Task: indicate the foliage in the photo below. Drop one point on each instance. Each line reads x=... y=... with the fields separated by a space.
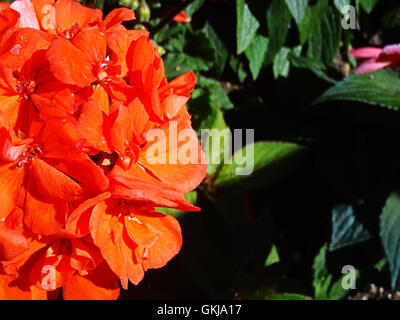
x=325 y=149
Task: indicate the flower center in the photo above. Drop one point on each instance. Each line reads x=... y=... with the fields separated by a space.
x=31 y=152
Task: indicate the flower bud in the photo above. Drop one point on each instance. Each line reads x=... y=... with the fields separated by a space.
x=144 y=11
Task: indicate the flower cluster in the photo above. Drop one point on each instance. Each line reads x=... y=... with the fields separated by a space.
x=79 y=95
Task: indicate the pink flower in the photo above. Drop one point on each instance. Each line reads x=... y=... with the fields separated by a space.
x=377 y=58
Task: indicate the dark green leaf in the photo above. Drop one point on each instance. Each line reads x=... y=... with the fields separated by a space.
x=331 y=31
x=390 y=235
x=278 y=20
x=346 y=229
x=392 y=19
x=220 y=51
x=315 y=67
x=310 y=25
x=378 y=88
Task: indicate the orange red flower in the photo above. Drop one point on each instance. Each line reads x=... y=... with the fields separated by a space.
x=86 y=114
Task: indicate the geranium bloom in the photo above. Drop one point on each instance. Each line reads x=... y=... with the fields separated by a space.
x=93 y=138
x=377 y=58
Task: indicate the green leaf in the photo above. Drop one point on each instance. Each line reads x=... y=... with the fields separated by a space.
x=179 y=63
x=246 y=26
x=288 y=296
x=278 y=20
x=270 y=162
x=238 y=68
x=310 y=25
x=331 y=31
x=378 y=88
x=281 y=63
x=255 y=53
x=322 y=279
x=297 y=8
x=220 y=51
x=380 y=264
x=390 y=235
x=346 y=229
x=368 y=5
x=273 y=257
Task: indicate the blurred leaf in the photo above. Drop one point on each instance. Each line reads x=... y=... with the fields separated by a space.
x=273 y=257
x=346 y=230
x=391 y=19
x=297 y=8
x=220 y=51
x=380 y=264
x=281 y=63
x=390 y=235
x=246 y=26
x=255 y=53
x=278 y=20
x=368 y=5
x=339 y=4
x=238 y=68
x=288 y=296
x=378 y=88
x=272 y=162
x=193 y=7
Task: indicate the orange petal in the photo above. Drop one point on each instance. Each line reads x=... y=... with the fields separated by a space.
x=10 y=186
x=115 y=17
x=69 y=64
x=70 y=12
x=53 y=183
x=102 y=284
